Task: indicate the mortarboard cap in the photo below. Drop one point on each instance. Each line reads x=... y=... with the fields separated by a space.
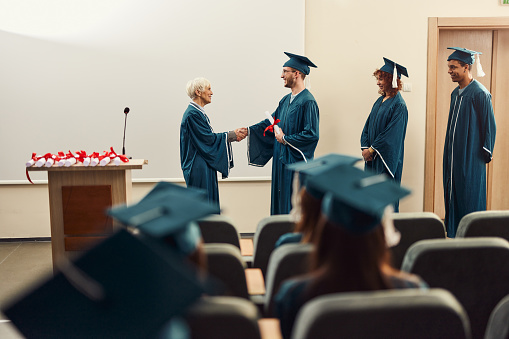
x=125 y=287
x=319 y=165
x=356 y=199
x=168 y=212
x=467 y=56
x=300 y=63
x=163 y=186
x=392 y=67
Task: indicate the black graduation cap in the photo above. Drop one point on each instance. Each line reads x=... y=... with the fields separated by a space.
x=319 y=165
x=355 y=199
x=467 y=56
x=168 y=210
x=125 y=287
x=462 y=54
x=390 y=67
x=299 y=62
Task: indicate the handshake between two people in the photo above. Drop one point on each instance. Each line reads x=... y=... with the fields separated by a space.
x=241 y=133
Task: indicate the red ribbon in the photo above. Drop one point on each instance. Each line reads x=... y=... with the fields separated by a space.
x=79 y=156
x=270 y=128
x=28 y=177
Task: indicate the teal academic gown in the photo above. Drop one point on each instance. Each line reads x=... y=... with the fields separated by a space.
x=299 y=122
x=385 y=131
x=468 y=147
x=203 y=153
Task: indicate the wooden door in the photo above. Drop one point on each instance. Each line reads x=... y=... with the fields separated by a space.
x=498 y=177
x=491 y=37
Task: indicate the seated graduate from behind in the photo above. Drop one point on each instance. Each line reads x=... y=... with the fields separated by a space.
x=351 y=245
x=135 y=284
x=307 y=202
x=203 y=153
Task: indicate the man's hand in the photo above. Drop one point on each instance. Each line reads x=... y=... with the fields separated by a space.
x=367 y=155
x=241 y=133
x=279 y=136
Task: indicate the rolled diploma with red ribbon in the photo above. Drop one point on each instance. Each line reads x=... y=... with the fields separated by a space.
x=40 y=162
x=86 y=161
x=30 y=163
x=105 y=161
x=61 y=162
x=116 y=161
x=271 y=120
x=70 y=161
x=50 y=162
x=94 y=162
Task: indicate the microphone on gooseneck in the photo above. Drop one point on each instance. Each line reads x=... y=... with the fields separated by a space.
x=126 y=110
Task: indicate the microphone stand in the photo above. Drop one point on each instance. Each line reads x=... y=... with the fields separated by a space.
x=126 y=110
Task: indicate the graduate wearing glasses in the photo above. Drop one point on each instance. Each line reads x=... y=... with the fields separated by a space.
x=294 y=138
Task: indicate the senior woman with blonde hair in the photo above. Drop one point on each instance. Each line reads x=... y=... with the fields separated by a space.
x=203 y=153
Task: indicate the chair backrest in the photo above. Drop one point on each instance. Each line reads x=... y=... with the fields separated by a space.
x=414 y=227
x=286 y=261
x=223 y=317
x=218 y=229
x=484 y=224
x=498 y=324
x=224 y=262
x=407 y=313
x=474 y=270
x=268 y=231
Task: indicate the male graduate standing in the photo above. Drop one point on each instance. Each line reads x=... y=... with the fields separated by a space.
x=383 y=136
x=293 y=139
x=469 y=141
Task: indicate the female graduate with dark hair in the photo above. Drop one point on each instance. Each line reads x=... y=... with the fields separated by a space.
x=351 y=245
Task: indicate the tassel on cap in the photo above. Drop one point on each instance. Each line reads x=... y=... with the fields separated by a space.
x=480 y=72
x=395 y=77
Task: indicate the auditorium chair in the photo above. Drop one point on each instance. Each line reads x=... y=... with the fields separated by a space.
x=223 y=318
x=395 y=314
x=474 y=270
x=498 y=324
x=484 y=224
x=218 y=229
x=268 y=231
x=225 y=263
x=286 y=261
x=413 y=227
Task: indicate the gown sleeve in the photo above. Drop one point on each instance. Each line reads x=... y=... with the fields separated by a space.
x=212 y=147
x=389 y=143
x=364 y=135
x=260 y=148
x=488 y=126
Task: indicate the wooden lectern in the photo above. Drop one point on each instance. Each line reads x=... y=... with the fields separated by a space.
x=78 y=198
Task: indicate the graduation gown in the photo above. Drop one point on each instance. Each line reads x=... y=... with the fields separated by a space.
x=385 y=131
x=468 y=147
x=203 y=153
x=299 y=122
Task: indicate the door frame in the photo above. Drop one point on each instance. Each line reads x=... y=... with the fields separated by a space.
x=436 y=24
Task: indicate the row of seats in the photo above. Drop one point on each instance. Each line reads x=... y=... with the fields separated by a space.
x=382 y=314
x=477 y=283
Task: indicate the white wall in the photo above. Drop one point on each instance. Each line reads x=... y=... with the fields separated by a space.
x=347 y=40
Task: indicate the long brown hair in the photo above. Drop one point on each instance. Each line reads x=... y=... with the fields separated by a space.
x=310 y=214
x=345 y=262
x=388 y=80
